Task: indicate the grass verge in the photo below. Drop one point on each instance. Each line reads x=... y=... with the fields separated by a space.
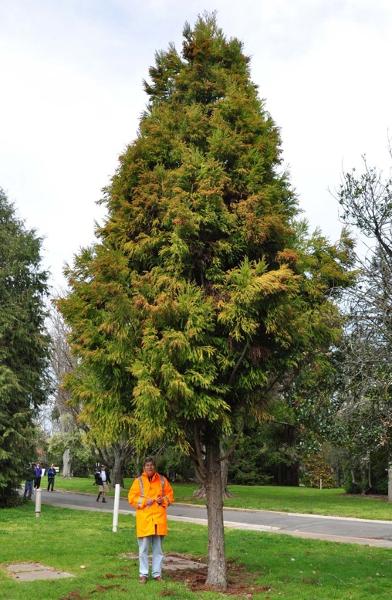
x=293 y=569
x=280 y=498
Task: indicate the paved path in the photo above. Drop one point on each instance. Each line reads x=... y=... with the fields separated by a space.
x=337 y=529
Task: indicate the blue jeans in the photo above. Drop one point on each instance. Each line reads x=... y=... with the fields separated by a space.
x=28 y=490
x=157 y=554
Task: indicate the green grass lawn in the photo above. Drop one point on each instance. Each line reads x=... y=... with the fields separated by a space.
x=295 y=569
x=280 y=498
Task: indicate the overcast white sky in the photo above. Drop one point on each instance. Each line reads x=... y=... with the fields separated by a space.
x=71 y=96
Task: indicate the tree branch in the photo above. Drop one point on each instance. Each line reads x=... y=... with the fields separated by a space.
x=238 y=363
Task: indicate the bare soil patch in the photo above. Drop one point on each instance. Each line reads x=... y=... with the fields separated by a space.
x=105 y=588
x=239 y=581
x=172 y=562
x=73 y=596
x=193 y=573
x=99 y=589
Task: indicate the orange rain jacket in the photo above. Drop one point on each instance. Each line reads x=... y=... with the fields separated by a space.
x=150 y=520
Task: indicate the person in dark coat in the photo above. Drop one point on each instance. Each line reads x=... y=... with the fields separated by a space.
x=29 y=479
x=51 y=475
x=102 y=480
x=37 y=476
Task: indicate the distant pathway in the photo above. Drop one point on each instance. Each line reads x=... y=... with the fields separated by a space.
x=337 y=529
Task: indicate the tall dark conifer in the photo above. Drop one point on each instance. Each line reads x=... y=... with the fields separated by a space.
x=24 y=347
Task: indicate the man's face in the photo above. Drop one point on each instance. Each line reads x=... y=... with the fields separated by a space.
x=149 y=468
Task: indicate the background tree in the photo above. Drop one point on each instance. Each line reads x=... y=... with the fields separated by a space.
x=76 y=430
x=83 y=454
x=63 y=414
x=365 y=398
x=203 y=294
x=298 y=425
x=24 y=346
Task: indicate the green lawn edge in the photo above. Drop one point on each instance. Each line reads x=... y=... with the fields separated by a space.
x=328 y=502
x=292 y=568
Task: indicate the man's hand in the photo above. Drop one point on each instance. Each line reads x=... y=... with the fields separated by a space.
x=149 y=502
x=159 y=499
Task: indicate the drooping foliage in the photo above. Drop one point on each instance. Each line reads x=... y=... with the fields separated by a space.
x=204 y=292
x=24 y=346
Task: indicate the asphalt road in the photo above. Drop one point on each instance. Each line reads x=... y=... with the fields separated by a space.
x=338 y=529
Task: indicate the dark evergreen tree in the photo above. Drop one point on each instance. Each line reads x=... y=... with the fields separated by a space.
x=24 y=347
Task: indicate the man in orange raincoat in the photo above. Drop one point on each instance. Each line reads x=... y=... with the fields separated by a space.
x=150 y=494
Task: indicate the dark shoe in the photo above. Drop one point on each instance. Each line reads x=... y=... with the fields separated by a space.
x=103 y=500
x=159 y=578
x=142 y=579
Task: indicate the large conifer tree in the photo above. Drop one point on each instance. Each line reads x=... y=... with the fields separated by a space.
x=24 y=347
x=203 y=293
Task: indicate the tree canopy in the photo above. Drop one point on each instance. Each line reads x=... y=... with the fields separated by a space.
x=24 y=346
x=204 y=293
x=364 y=399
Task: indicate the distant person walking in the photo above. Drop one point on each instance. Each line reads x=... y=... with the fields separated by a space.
x=102 y=479
x=29 y=479
x=37 y=476
x=51 y=475
x=150 y=494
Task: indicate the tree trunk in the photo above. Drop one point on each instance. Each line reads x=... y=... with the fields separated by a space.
x=117 y=472
x=224 y=475
x=115 y=457
x=353 y=476
x=67 y=461
x=337 y=474
x=370 y=474
x=390 y=480
x=216 y=577
x=201 y=492
x=363 y=476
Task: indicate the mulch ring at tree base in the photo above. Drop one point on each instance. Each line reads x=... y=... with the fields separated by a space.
x=239 y=581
